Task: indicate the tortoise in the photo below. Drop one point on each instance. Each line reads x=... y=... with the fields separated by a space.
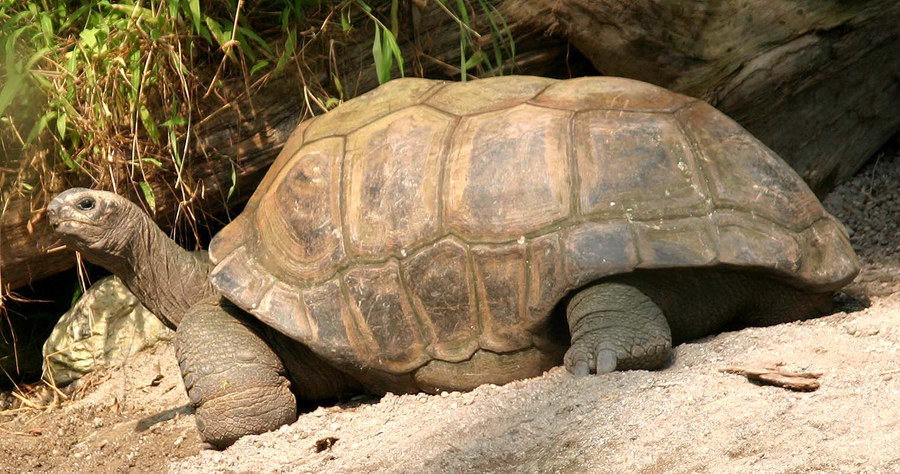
x=431 y=236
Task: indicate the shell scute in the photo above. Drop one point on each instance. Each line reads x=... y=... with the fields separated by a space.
x=333 y=328
x=612 y=93
x=371 y=106
x=385 y=317
x=392 y=181
x=500 y=282
x=594 y=250
x=300 y=234
x=636 y=164
x=508 y=173
x=495 y=93
x=744 y=174
x=677 y=243
x=440 y=282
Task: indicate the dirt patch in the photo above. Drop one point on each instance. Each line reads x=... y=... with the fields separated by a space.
x=690 y=417
x=134 y=418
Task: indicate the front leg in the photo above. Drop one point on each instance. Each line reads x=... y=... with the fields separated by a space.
x=615 y=326
x=234 y=379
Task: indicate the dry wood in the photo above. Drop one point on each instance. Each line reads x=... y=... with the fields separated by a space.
x=775 y=374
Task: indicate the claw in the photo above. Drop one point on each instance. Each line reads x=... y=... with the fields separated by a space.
x=581 y=369
x=606 y=361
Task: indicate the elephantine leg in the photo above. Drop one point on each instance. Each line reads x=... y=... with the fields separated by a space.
x=615 y=326
x=234 y=379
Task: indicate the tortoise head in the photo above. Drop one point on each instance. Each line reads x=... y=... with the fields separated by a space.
x=100 y=224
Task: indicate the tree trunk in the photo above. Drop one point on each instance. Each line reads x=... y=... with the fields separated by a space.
x=818 y=81
x=249 y=131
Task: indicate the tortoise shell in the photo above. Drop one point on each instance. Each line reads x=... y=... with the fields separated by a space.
x=428 y=221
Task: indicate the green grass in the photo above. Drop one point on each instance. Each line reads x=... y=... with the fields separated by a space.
x=106 y=89
x=104 y=93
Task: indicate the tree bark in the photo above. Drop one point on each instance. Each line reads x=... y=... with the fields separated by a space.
x=818 y=81
x=247 y=132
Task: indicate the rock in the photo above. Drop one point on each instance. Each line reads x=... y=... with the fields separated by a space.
x=103 y=329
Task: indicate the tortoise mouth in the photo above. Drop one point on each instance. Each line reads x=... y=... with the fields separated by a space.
x=72 y=222
x=71 y=230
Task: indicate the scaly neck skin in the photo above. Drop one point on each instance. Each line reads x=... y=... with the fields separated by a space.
x=166 y=278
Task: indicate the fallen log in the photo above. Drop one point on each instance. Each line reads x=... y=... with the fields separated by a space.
x=241 y=134
x=817 y=81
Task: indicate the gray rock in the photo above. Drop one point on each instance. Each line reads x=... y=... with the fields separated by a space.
x=105 y=327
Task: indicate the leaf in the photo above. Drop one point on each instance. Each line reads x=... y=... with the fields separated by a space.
x=135 y=63
x=289 y=46
x=10 y=91
x=337 y=85
x=332 y=102
x=216 y=29
x=256 y=38
x=89 y=37
x=61 y=124
x=176 y=155
x=496 y=36
x=175 y=122
x=11 y=45
x=72 y=63
x=244 y=45
x=378 y=56
x=149 y=123
x=233 y=182
x=37 y=56
x=67 y=159
x=76 y=294
x=476 y=59
x=366 y=8
x=40 y=126
x=345 y=20
x=47 y=29
x=259 y=65
x=153 y=161
x=133 y=11
x=385 y=49
x=395 y=50
x=147 y=191
x=195 y=15
x=395 y=17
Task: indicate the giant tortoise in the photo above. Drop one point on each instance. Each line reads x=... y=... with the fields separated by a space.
x=432 y=236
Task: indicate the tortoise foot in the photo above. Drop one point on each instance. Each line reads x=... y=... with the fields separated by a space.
x=615 y=326
x=234 y=379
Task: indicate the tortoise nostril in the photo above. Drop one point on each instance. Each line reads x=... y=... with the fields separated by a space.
x=52 y=217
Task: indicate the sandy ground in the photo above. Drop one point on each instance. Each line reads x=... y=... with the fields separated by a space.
x=689 y=417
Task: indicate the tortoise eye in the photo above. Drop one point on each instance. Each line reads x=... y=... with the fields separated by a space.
x=85 y=204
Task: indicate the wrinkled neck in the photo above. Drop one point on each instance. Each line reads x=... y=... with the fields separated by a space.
x=166 y=278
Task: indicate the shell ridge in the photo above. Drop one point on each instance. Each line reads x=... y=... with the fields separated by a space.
x=697 y=155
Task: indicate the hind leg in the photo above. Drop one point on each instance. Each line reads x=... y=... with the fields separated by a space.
x=615 y=326
x=234 y=379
